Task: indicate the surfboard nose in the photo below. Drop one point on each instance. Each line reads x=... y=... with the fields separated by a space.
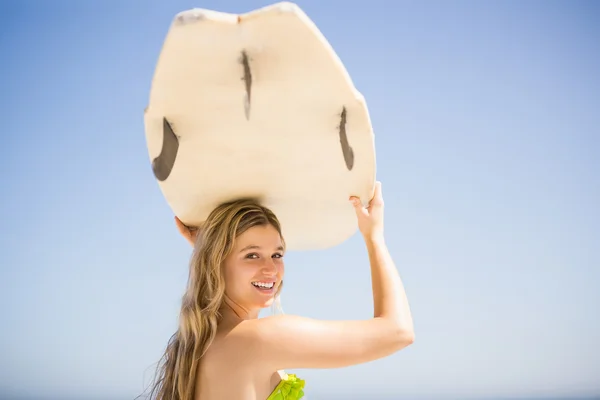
x=189 y=16
x=287 y=7
x=195 y=15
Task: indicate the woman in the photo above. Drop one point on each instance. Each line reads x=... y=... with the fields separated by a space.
x=222 y=350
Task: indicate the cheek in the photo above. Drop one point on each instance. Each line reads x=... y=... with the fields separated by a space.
x=227 y=275
x=237 y=275
x=231 y=274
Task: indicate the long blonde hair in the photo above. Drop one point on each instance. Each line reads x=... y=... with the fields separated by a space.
x=199 y=316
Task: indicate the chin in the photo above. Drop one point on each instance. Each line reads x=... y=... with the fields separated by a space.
x=263 y=304
x=268 y=303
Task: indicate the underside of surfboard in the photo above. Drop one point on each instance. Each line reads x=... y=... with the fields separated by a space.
x=259 y=105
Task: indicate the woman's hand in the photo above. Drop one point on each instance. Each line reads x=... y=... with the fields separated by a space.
x=190 y=234
x=370 y=218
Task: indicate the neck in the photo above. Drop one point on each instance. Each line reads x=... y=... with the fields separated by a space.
x=232 y=309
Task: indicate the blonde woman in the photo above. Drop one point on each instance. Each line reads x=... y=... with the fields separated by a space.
x=223 y=351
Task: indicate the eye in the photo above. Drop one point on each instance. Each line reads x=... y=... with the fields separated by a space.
x=252 y=255
x=277 y=255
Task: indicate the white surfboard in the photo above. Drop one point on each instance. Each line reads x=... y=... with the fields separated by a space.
x=259 y=105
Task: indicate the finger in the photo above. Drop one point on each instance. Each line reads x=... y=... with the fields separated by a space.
x=178 y=223
x=377 y=199
x=377 y=190
x=358 y=207
x=184 y=230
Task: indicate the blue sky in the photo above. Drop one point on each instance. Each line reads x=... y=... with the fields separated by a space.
x=486 y=116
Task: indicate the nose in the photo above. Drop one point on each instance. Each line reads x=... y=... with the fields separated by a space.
x=269 y=268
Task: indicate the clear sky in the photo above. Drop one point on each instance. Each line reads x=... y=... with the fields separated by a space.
x=486 y=116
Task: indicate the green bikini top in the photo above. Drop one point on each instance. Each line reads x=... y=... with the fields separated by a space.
x=289 y=388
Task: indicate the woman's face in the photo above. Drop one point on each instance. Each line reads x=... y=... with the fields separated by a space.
x=254 y=269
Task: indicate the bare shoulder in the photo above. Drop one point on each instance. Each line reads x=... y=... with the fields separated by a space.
x=232 y=343
x=229 y=355
x=290 y=342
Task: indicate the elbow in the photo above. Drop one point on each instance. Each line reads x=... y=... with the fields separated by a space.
x=403 y=337
x=396 y=336
x=408 y=337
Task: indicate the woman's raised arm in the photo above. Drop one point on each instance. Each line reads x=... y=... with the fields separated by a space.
x=290 y=342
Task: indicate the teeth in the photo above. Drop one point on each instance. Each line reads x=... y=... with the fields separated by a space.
x=265 y=285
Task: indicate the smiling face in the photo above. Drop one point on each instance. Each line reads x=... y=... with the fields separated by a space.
x=254 y=269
